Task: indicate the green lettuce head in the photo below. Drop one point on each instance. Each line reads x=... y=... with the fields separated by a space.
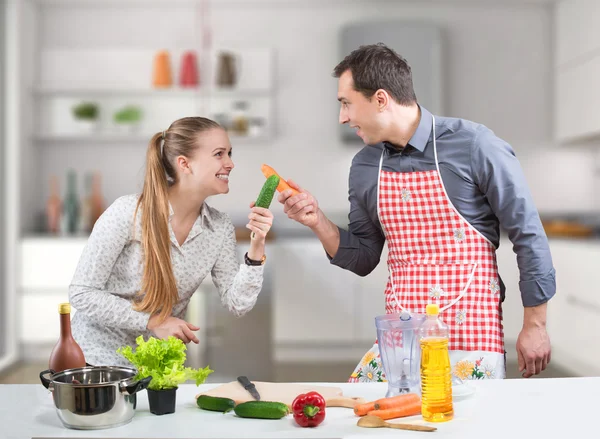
x=162 y=360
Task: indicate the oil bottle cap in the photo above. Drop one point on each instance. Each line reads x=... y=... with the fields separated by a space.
x=432 y=309
x=64 y=308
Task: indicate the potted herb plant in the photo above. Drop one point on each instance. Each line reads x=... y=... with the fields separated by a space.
x=128 y=118
x=86 y=115
x=163 y=360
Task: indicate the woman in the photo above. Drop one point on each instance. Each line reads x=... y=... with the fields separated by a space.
x=147 y=254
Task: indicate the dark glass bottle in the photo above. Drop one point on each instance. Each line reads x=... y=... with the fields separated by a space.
x=66 y=353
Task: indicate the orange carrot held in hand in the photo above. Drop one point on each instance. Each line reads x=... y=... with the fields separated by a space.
x=396 y=401
x=363 y=409
x=283 y=185
x=409 y=409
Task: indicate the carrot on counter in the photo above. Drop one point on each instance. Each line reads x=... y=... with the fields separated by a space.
x=408 y=409
x=397 y=401
x=363 y=409
x=283 y=185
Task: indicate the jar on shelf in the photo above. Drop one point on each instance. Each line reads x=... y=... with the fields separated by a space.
x=226 y=70
x=240 y=118
x=256 y=127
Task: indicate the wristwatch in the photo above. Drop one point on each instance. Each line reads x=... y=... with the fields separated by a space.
x=249 y=261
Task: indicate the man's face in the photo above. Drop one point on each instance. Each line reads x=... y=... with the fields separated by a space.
x=358 y=111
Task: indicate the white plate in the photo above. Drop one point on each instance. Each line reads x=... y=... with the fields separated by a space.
x=462 y=391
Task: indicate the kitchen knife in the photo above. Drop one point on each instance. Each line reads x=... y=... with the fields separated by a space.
x=244 y=381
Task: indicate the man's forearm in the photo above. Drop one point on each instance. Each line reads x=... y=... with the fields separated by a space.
x=328 y=233
x=535 y=316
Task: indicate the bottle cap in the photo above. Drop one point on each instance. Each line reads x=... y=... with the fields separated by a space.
x=64 y=308
x=432 y=309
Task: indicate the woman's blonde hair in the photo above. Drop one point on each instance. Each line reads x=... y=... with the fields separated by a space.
x=159 y=288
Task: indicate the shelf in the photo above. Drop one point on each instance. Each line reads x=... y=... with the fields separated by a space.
x=176 y=92
x=130 y=139
x=113 y=3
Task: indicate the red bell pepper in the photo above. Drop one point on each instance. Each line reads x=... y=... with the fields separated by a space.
x=309 y=409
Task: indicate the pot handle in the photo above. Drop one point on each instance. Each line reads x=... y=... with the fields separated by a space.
x=138 y=386
x=45 y=381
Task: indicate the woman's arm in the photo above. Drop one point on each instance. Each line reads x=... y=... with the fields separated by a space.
x=87 y=292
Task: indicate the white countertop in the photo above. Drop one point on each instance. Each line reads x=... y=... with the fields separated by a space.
x=507 y=409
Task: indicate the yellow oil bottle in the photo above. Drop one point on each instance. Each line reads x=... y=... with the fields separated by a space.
x=436 y=373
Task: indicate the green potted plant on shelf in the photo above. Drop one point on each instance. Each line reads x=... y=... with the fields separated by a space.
x=86 y=116
x=163 y=360
x=128 y=118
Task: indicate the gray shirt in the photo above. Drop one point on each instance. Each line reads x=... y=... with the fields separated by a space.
x=109 y=276
x=485 y=183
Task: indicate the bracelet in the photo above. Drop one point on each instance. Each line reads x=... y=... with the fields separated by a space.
x=252 y=262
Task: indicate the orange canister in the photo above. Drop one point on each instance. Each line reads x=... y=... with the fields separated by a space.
x=162 y=76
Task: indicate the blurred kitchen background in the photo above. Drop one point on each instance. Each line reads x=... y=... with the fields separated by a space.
x=85 y=84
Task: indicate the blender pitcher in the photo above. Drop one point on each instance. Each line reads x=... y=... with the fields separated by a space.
x=400 y=352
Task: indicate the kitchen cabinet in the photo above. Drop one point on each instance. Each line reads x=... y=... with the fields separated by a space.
x=574 y=313
x=49 y=263
x=573 y=319
x=577 y=67
x=314 y=301
x=46 y=267
x=320 y=309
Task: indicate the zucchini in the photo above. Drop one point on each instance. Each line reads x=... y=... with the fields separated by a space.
x=268 y=190
x=261 y=410
x=214 y=403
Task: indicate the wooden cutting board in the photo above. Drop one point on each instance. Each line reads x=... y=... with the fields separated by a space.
x=282 y=392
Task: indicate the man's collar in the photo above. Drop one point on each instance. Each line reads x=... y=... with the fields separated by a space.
x=422 y=134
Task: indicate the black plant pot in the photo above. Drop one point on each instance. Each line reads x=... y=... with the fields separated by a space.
x=162 y=402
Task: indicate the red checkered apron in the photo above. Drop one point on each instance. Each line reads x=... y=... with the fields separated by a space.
x=436 y=256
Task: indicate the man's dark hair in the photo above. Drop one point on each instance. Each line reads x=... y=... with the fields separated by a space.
x=375 y=67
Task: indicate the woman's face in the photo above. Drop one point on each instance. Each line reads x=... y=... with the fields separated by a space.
x=210 y=166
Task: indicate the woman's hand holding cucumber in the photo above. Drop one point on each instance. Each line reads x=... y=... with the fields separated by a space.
x=261 y=220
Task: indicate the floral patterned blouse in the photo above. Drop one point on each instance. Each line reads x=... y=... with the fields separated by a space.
x=109 y=275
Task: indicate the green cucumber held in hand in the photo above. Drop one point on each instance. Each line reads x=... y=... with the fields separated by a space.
x=266 y=193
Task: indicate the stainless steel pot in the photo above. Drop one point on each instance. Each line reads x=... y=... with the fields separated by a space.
x=91 y=398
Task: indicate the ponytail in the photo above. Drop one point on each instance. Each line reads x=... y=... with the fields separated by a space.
x=159 y=287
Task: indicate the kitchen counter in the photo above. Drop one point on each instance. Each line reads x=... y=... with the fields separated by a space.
x=520 y=408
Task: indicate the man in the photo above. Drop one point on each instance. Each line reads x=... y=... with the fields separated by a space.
x=438 y=190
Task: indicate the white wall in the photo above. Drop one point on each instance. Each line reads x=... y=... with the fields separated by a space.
x=497 y=62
